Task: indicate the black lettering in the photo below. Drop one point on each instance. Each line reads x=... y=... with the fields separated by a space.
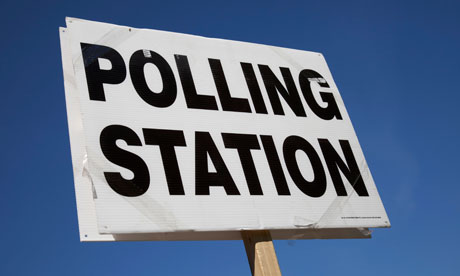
x=254 y=88
x=350 y=169
x=163 y=98
x=192 y=99
x=275 y=165
x=325 y=113
x=204 y=146
x=167 y=140
x=139 y=184
x=317 y=186
x=274 y=86
x=95 y=76
x=244 y=143
x=228 y=102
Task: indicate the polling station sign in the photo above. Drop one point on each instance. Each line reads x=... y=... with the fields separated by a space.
x=177 y=136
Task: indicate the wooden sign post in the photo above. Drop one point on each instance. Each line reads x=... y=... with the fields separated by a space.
x=261 y=253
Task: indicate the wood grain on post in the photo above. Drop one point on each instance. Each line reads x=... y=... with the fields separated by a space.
x=261 y=253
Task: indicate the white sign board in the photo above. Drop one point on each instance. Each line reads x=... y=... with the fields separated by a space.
x=176 y=136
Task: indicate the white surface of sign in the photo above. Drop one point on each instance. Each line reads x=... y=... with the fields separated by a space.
x=177 y=136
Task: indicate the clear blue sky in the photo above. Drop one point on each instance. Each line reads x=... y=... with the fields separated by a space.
x=397 y=66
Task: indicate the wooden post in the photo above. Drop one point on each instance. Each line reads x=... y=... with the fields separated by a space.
x=261 y=253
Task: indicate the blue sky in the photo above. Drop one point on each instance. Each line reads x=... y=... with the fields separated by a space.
x=396 y=64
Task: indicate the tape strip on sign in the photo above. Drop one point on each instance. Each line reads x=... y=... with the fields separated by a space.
x=179 y=137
